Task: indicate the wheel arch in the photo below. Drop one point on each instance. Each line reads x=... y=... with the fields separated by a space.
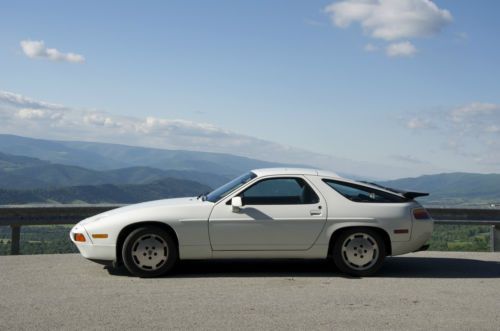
x=336 y=233
x=131 y=227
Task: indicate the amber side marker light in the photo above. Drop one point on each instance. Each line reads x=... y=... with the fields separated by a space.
x=100 y=235
x=79 y=237
x=421 y=214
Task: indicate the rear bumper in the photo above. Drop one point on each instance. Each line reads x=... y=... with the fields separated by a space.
x=423 y=248
x=421 y=233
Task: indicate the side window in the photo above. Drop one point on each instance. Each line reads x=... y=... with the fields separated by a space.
x=359 y=193
x=279 y=191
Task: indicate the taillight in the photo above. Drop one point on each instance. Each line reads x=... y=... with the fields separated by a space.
x=79 y=237
x=421 y=214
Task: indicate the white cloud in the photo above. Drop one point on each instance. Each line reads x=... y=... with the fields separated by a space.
x=37 y=49
x=474 y=110
x=418 y=123
x=403 y=49
x=38 y=114
x=24 y=116
x=391 y=20
x=473 y=118
x=18 y=100
x=470 y=131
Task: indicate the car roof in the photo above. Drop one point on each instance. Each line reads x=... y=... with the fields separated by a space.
x=294 y=171
x=316 y=172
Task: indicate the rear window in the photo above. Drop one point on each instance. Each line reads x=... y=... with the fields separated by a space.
x=360 y=193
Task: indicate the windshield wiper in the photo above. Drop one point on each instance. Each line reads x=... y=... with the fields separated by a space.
x=203 y=196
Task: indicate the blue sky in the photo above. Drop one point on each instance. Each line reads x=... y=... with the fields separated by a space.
x=287 y=72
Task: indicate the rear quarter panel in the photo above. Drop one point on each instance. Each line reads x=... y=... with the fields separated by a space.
x=343 y=213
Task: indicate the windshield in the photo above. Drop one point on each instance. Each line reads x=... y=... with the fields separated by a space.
x=227 y=188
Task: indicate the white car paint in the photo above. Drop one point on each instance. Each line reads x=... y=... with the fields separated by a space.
x=206 y=230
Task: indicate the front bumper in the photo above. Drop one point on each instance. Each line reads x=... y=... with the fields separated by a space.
x=89 y=249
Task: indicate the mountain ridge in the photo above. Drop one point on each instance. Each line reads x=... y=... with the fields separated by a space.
x=453 y=188
x=20 y=172
x=107 y=193
x=107 y=156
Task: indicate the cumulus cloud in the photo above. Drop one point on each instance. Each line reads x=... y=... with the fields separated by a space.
x=391 y=20
x=37 y=49
x=22 y=115
x=405 y=48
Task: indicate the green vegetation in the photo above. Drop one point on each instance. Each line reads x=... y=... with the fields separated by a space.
x=50 y=239
x=472 y=238
x=55 y=240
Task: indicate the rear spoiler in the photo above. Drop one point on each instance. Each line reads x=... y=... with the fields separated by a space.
x=413 y=195
x=406 y=194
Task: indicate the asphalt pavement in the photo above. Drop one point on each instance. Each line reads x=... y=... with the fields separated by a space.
x=421 y=291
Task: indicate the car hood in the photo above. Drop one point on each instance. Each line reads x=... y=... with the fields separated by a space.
x=163 y=205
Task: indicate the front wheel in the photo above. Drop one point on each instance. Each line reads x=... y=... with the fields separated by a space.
x=359 y=252
x=149 y=252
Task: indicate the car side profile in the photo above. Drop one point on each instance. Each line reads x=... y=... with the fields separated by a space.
x=265 y=213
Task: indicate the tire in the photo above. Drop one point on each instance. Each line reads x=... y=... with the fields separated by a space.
x=359 y=252
x=149 y=252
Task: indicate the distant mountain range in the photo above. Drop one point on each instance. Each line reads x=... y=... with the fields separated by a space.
x=39 y=171
x=107 y=193
x=453 y=188
x=102 y=156
x=21 y=172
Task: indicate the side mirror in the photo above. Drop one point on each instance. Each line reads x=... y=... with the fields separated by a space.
x=237 y=204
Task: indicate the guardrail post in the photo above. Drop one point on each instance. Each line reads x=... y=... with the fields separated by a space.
x=15 y=239
x=495 y=238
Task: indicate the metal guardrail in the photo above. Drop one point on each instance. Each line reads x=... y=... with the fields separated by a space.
x=22 y=215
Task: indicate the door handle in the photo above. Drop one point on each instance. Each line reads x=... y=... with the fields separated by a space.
x=315 y=212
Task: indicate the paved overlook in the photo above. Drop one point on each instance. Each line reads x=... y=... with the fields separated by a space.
x=421 y=291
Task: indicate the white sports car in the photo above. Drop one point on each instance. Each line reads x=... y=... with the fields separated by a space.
x=265 y=213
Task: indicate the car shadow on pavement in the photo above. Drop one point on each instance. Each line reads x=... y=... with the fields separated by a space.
x=394 y=267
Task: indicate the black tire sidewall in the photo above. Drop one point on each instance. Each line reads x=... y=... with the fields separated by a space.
x=127 y=252
x=345 y=268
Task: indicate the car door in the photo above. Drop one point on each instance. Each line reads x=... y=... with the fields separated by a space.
x=278 y=213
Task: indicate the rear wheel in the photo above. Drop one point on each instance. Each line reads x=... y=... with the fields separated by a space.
x=149 y=252
x=359 y=251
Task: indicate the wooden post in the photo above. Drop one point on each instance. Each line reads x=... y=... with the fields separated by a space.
x=495 y=238
x=15 y=239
